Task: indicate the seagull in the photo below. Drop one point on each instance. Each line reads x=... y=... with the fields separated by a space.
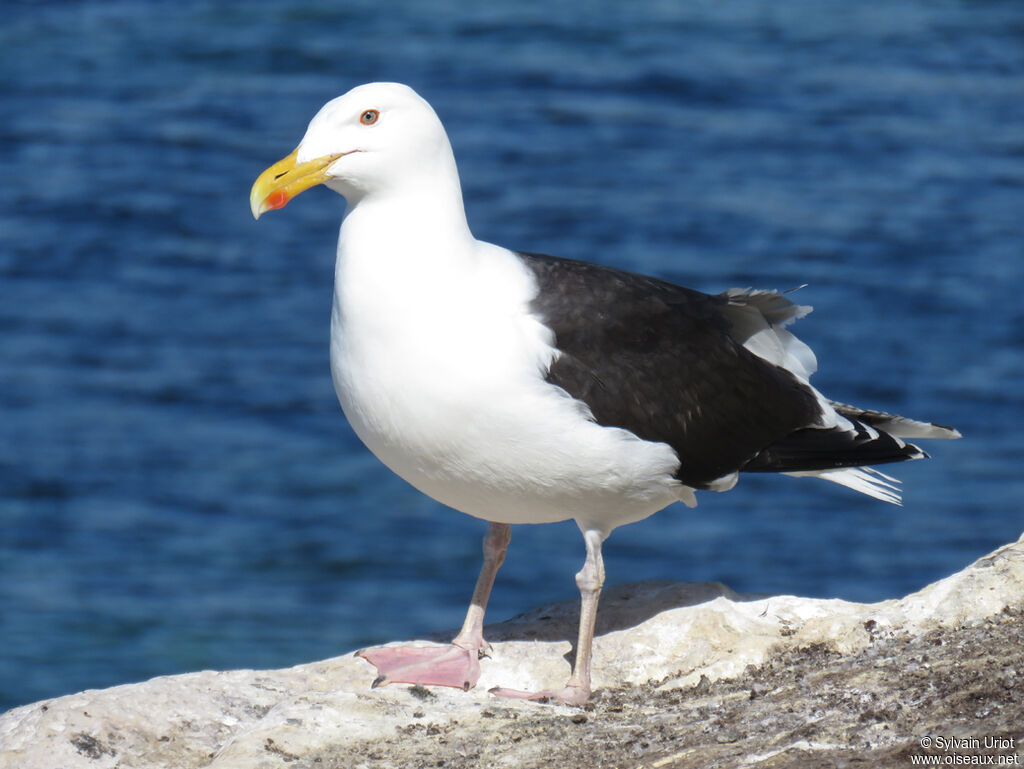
x=523 y=388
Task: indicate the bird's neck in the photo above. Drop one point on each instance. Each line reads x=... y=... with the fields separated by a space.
x=400 y=259
x=416 y=231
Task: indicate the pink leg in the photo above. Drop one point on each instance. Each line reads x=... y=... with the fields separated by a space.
x=590 y=579
x=456 y=664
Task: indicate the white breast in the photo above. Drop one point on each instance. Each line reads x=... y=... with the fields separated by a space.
x=439 y=369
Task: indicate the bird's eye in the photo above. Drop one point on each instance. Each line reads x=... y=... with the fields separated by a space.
x=369 y=117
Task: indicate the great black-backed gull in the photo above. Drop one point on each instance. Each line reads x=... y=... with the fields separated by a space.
x=523 y=388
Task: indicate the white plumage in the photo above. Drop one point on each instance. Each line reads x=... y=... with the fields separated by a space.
x=479 y=374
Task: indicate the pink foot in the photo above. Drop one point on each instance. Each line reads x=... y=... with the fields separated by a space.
x=569 y=695
x=435 y=665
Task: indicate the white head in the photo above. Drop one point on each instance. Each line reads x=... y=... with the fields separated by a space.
x=377 y=138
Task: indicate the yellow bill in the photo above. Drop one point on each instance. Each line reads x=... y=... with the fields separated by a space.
x=286 y=179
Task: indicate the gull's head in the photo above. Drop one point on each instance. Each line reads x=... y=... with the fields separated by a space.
x=376 y=137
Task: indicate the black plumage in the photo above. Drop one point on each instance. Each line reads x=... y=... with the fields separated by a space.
x=668 y=364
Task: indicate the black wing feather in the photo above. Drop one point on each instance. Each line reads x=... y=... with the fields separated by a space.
x=817 y=449
x=658 y=360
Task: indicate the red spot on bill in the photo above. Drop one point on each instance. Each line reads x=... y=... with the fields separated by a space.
x=276 y=199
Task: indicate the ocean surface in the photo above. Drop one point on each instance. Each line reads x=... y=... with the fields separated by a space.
x=178 y=487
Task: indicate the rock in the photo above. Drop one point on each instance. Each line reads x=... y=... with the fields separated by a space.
x=688 y=675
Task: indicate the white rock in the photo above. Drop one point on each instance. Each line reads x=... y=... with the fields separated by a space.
x=660 y=632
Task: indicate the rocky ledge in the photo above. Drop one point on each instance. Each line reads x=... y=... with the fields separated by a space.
x=688 y=675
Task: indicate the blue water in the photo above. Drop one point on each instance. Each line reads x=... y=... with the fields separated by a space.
x=178 y=487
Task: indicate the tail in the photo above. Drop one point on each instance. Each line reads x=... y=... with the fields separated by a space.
x=841 y=454
x=846 y=439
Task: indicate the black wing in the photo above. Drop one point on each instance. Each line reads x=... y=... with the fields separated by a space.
x=662 y=361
